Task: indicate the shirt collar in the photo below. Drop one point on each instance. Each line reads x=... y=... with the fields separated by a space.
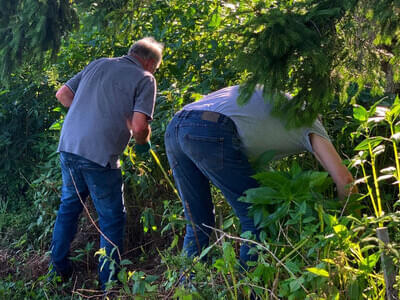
x=133 y=60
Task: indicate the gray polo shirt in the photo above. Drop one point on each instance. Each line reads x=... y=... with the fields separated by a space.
x=106 y=93
x=258 y=130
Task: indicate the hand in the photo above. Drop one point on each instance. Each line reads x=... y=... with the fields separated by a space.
x=141 y=149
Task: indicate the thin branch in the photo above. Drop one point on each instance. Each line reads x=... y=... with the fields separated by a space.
x=90 y=217
x=279 y=262
x=290 y=243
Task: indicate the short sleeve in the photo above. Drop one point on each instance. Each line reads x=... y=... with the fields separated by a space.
x=317 y=128
x=145 y=96
x=73 y=83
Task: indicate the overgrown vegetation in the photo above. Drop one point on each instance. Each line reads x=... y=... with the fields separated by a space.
x=311 y=247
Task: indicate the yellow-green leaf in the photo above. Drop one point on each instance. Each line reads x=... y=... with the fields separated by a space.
x=319 y=272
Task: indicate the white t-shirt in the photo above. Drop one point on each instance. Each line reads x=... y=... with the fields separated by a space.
x=258 y=130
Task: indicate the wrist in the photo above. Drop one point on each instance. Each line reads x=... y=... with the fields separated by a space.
x=142 y=148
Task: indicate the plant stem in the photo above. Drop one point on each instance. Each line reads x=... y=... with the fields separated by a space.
x=233 y=281
x=396 y=157
x=378 y=196
x=371 y=196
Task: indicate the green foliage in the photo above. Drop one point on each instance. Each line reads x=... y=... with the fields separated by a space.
x=295 y=193
x=28 y=29
x=377 y=155
x=314 y=50
x=26 y=113
x=309 y=247
x=22 y=289
x=297 y=53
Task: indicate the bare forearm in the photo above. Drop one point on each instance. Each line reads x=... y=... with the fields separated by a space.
x=65 y=96
x=331 y=161
x=344 y=183
x=142 y=136
x=139 y=128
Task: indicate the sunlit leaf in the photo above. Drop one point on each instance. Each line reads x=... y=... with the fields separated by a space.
x=388 y=170
x=329 y=260
x=340 y=228
x=396 y=137
x=101 y=252
x=360 y=113
x=318 y=271
x=384 y=177
x=378 y=150
x=373 y=142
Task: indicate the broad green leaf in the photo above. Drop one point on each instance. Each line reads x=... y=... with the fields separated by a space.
x=296 y=284
x=360 y=113
x=280 y=212
x=370 y=261
x=318 y=178
x=125 y=262
x=228 y=223
x=293 y=267
x=262 y=195
x=275 y=180
x=373 y=141
x=309 y=219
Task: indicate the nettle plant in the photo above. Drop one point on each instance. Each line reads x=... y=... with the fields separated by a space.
x=378 y=156
x=309 y=246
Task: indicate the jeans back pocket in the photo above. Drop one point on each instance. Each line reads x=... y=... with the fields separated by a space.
x=206 y=151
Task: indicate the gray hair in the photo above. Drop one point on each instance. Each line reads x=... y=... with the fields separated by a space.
x=147 y=48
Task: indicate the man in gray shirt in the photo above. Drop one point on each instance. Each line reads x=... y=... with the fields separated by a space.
x=212 y=140
x=109 y=101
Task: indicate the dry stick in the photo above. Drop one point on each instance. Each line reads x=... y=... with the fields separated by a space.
x=263 y=247
x=252 y=285
x=352 y=186
x=290 y=244
x=73 y=288
x=88 y=297
x=388 y=267
x=275 y=283
x=222 y=236
x=91 y=219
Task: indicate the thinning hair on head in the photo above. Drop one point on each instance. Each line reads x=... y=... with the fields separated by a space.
x=147 y=48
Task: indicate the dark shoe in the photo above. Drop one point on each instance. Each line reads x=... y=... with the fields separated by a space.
x=65 y=275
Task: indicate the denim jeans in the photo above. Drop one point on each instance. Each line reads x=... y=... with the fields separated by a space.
x=203 y=147
x=104 y=185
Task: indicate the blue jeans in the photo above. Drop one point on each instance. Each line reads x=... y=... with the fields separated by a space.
x=203 y=147
x=104 y=185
